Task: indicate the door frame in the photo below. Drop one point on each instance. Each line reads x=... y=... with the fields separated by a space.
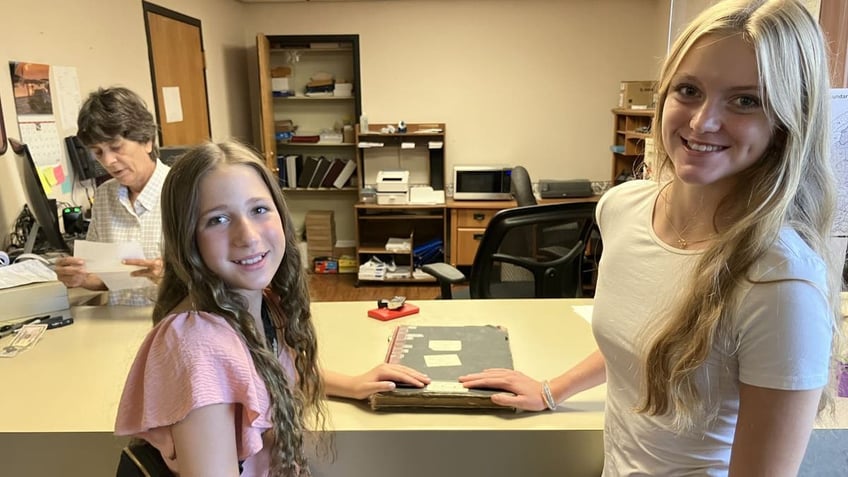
x=153 y=8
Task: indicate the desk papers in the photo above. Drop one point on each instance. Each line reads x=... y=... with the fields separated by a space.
x=445 y=353
x=24 y=272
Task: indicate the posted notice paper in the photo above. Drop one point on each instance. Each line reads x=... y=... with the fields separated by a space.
x=104 y=260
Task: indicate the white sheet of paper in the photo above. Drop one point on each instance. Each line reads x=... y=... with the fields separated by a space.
x=441 y=360
x=839 y=155
x=27 y=271
x=66 y=87
x=173 y=104
x=585 y=311
x=104 y=260
x=445 y=345
x=446 y=387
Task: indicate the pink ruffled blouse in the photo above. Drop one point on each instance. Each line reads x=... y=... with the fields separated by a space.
x=188 y=361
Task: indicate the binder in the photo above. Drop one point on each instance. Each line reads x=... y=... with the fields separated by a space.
x=333 y=172
x=294 y=166
x=310 y=164
x=320 y=171
x=281 y=171
x=345 y=174
x=445 y=353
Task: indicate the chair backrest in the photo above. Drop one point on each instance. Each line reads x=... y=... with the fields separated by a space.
x=521 y=187
x=546 y=242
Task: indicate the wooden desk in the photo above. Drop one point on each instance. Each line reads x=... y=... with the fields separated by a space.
x=469 y=218
x=60 y=399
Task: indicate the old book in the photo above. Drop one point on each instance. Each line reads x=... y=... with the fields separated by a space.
x=320 y=171
x=333 y=172
x=445 y=353
x=310 y=165
x=294 y=166
x=345 y=174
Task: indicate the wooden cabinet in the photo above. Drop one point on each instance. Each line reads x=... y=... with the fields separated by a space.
x=469 y=219
x=375 y=224
x=323 y=111
x=421 y=151
x=631 y=127
x=468 y=226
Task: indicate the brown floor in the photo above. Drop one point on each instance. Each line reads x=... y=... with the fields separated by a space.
x=342 y=287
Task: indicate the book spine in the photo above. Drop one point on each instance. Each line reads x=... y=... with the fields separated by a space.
x=396 y=350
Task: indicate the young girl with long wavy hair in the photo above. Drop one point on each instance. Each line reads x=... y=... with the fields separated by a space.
x=228 y=377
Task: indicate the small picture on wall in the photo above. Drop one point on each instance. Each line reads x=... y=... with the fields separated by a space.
x=31 y=85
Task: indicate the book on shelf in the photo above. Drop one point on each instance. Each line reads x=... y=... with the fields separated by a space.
x=294 y=166
x=445 y=353
x=310 y=164
x=282 y=172
x=305 y=138
x=320 y=171
x=345 y=174
x=333 y=172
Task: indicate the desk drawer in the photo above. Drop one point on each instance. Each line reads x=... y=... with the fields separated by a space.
x=467 y=242
x=475 y=217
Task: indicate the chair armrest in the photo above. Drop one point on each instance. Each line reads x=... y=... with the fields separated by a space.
x=444 y=272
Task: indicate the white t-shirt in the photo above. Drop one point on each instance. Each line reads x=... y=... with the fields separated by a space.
x=780 y=337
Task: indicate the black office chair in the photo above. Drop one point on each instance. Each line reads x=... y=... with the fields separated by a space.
x=521 y=187
x=533 y=239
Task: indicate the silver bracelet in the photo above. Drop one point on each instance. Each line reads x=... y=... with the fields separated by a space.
x=547 y=396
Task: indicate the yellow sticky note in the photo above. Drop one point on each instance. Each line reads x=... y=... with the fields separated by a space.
x=48 y=175
x=45 y=180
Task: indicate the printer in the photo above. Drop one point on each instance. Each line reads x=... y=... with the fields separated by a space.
x=392 y=187
x=553 y=189
x=35 y=299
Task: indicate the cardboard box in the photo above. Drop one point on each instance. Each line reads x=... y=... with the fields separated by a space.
x=637 y=94
x=340 y=250
x=347 y=264
x=320 y=232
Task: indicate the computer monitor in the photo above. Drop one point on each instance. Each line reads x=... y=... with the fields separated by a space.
x=46 y=215
x=169 y=154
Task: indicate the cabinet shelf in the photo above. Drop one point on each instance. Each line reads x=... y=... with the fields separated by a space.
x=402 y=217
x=313 y=98
x=631 y=144
x=373 y=249
x=336 y=54
x=314 y=144
x=319 y=189
x=307 y=49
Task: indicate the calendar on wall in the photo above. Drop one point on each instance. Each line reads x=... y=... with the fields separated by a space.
x=43 y=140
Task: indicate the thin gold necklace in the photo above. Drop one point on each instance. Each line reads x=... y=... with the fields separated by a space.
x=682 y=242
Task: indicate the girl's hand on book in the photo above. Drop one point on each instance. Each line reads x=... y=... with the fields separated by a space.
x=385 y=377
x=526 y=391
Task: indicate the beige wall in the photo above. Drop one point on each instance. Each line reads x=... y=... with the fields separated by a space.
x=517 y=82
x=106 y=42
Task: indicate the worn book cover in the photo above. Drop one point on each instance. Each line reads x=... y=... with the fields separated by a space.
x=445 y=353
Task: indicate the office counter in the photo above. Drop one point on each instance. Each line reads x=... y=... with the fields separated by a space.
x=59 y=399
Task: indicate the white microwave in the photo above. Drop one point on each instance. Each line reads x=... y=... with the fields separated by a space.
x=482 y=182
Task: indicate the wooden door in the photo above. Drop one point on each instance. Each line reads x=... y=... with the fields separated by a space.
x=178 y=70
x=834 y=22
x=266 y=101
